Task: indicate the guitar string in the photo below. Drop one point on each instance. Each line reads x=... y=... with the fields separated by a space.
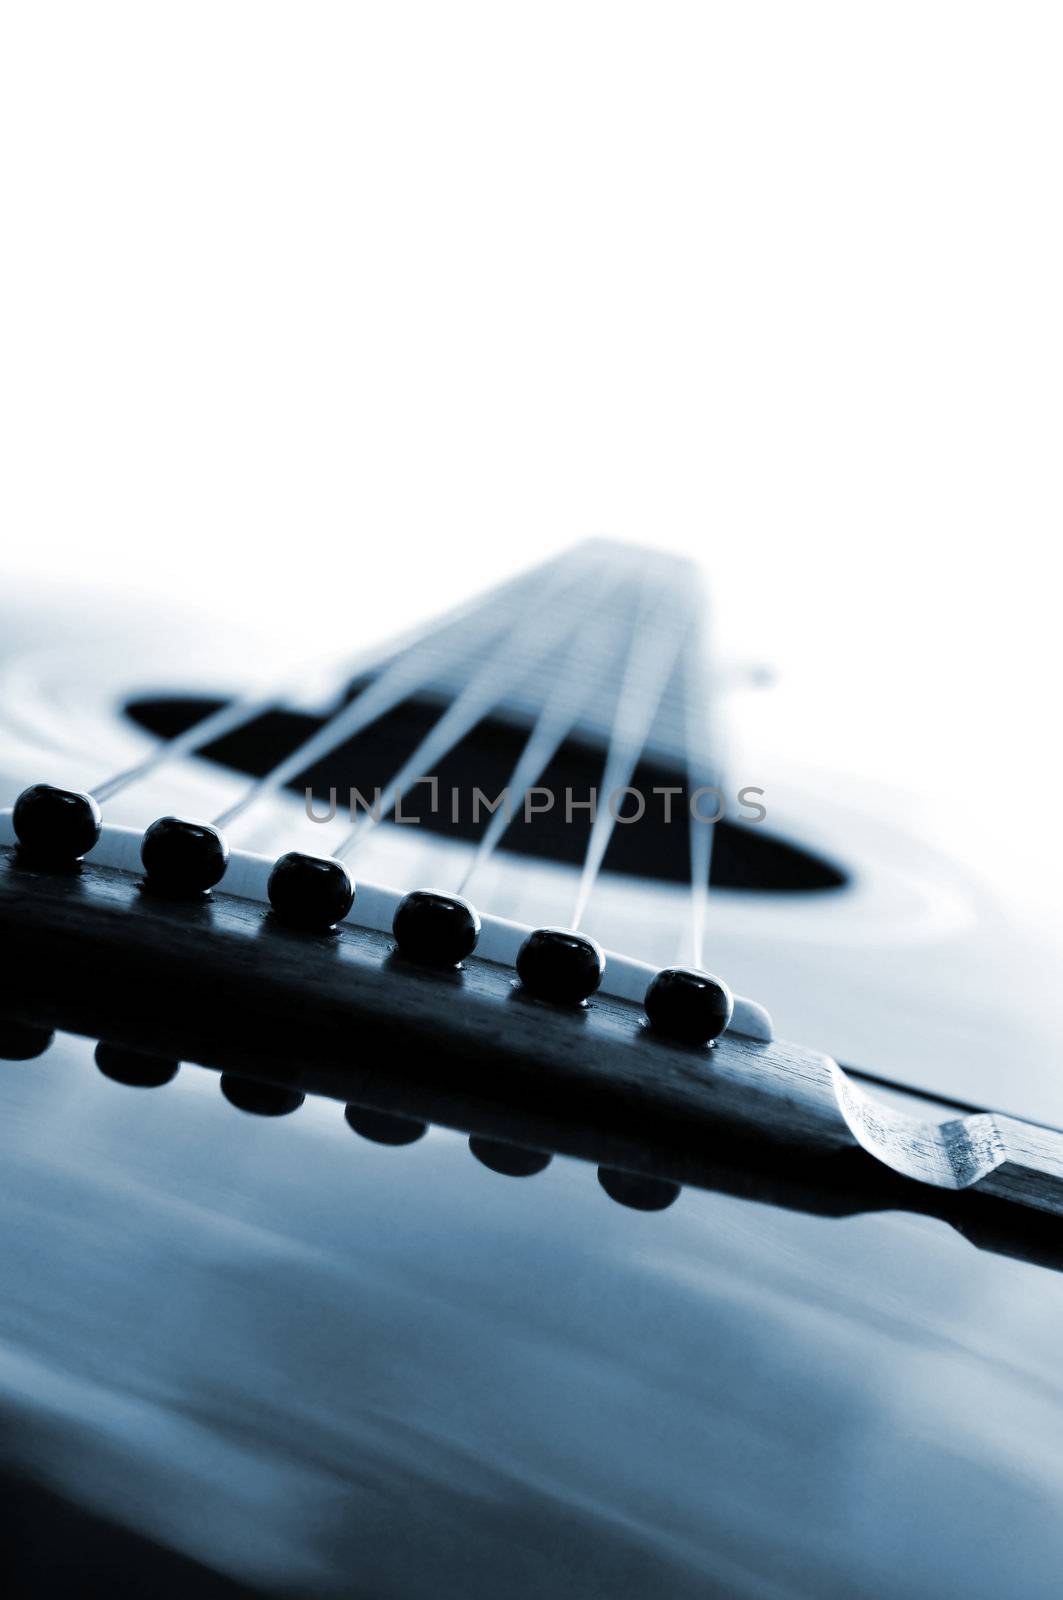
x=654 y=645
x=214 y=725
x=401 y=678
x=581 y=671
x=700 y=773
x=537 y=638
x=245 y=709
x=636 y=706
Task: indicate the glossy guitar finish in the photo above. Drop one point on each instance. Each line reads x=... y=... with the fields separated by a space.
x=223 y=981
x=315 y=1362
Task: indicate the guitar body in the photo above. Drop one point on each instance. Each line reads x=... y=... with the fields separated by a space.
x=319 y=1355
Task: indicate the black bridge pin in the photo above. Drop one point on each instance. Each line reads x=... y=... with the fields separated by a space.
x=687 y=1005
x=439 y=930
x=183 y=857
x=312 y=892
x=560 y=964
x=56 y=827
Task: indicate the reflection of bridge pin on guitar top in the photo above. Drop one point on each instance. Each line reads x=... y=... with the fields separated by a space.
x=637 y=1190
x=384 y=1127
x=56 y=826
x=23 y=1041
x=260 y=1099
x=509 y=1160
x=136 y=1068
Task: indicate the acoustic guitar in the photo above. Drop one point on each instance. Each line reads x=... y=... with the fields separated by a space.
x=631 y=1176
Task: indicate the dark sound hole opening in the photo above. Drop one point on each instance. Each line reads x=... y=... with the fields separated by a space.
x=746 y=856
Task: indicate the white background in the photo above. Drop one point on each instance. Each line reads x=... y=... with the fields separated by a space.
x=330 y=314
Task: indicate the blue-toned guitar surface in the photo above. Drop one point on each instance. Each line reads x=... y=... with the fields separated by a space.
x=325 y=1275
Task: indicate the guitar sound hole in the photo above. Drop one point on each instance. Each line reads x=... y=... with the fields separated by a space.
x=746 y=856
